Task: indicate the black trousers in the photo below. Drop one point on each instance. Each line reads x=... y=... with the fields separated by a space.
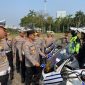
x=20 y=66
x=32 y=75
x=17 y=61
x=10 y=59
x=4 y=79
x=23 y=68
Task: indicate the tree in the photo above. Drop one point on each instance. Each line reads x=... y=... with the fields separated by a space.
x=79 y=19
x=29 y=19
x=49 y=23
x=46 y=22
x=57 y=24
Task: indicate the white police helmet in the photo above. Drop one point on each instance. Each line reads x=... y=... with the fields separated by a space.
x=73 y=28
x=83 y=28
x=21 y=30
x=80 y=30
x=83 y=31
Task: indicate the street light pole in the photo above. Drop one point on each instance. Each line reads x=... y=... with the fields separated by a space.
x=45 y=9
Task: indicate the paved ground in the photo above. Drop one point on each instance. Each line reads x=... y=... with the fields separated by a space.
x=16 y=80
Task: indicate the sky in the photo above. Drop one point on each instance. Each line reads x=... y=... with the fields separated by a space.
x=13 y=10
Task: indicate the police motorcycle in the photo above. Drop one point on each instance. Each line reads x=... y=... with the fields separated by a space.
x=50 y=50
x=64 y=67
x=71 y=72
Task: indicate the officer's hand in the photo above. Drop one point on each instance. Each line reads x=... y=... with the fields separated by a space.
x=46 y=56
x=37 y=64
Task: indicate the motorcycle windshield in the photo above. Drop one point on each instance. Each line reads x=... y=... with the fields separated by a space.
x=59 y=56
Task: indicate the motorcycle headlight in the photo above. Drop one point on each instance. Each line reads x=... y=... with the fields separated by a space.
x=57 y=59
x=83 y=75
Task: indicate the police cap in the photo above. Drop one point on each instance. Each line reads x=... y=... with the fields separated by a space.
x=31 y=31
x=21 y=30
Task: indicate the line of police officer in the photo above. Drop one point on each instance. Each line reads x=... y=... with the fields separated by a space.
x=28 y=49
x=29 y=52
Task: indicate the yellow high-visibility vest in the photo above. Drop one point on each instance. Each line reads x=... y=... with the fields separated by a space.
x=74 y=45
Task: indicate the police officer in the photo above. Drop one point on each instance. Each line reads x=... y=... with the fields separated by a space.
x=49 y=39
x=32 y=59
x=20 y=59
x=81 y=55
x=8 y=49
x=53 y=36
x=39 y=41
x=74 y=45
x=4 y=65
x=65 y=38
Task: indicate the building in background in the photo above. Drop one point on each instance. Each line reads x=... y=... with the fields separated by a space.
x=61 y=14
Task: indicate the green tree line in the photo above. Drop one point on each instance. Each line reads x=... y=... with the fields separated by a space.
x=46 y=22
